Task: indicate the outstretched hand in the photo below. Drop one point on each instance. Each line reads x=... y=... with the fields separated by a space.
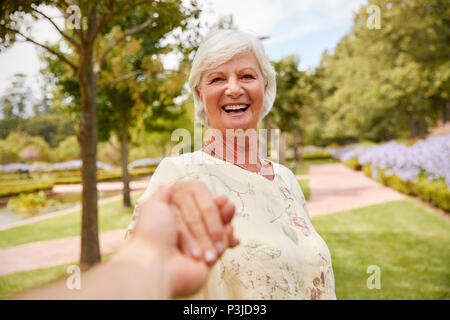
x=160 y=228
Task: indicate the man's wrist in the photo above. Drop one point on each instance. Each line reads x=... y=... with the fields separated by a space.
x=145 y=267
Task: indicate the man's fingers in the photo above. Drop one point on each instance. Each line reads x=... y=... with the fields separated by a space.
x=186 y=242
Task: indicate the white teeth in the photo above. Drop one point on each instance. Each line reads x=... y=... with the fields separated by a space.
x=236 y=107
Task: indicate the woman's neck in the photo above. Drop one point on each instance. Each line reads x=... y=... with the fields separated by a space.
x=240 y=148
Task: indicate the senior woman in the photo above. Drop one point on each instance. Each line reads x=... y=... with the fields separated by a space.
x=280 y=255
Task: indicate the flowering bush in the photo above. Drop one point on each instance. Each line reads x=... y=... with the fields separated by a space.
x=430 y=157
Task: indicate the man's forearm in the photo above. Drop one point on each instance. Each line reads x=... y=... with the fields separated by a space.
x=133 y=273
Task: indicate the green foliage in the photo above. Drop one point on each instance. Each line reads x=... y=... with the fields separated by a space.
x=353 y=164
x=290 y=94
x=17 y=142
x=317 y=155
x=17 y=187
x=28 y=203
x=302 y=170
x=53 y=127
x=384 y=83
x=67 y=150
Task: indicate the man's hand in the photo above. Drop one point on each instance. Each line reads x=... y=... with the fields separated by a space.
x=160 y=229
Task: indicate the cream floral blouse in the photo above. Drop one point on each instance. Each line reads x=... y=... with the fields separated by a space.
x=280 y=256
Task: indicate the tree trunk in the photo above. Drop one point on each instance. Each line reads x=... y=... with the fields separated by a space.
x=422 y=123
x=283 y=148
x=413 y=126
x=125 y=173
x=87 y=137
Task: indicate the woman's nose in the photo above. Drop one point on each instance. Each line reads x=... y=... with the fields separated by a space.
x=233 y=88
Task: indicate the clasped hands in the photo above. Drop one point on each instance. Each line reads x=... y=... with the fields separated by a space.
x=189 y=230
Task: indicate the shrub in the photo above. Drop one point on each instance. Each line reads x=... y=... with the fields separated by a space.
x=353 y=164
x=435 y=191
x=67 y=150
x=8 y=189
x=28 y=203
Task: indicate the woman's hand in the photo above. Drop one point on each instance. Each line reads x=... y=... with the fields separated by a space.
x=204 y=221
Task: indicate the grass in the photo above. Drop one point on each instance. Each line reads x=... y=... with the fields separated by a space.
x=409 y=244
x=112 y=216
x=304 y=185
x=302 y=170
x=319 y=161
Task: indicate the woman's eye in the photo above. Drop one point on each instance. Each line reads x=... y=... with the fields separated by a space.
x=216 y=80
x=248 y=76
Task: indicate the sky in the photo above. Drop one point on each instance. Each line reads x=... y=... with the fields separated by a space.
x=302 y=27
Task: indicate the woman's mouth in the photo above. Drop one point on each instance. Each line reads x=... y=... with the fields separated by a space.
x=236 y=109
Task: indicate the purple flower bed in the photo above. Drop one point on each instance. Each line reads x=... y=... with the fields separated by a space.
x=431 y=156
x=68 y=165
x=144 y=162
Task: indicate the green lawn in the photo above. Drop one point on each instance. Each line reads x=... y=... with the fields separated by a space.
x=302 y=170
x=304 y=184
x=408 y=244
x=111 y=216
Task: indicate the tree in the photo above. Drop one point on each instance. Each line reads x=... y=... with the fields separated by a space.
x=380 y=84
x=291 y=97
x=141 y=102
x=87 y=22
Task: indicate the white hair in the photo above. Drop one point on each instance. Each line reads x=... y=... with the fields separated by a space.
x=220 y=46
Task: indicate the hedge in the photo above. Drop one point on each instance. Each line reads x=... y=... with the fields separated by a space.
x=8 y=189
x=435 y=191
x=12 y=188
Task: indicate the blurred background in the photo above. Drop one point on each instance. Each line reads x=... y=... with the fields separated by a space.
x=362 y=109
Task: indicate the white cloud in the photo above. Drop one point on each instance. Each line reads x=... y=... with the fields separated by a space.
x=259 y=16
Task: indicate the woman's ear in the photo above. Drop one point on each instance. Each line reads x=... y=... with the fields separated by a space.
x=198 y=92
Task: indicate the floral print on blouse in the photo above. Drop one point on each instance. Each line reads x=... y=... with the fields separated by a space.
x=280 y=256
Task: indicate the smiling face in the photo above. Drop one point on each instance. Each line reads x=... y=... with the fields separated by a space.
x=233 y=93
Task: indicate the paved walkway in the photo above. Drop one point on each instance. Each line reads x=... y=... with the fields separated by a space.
x=334 y=187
